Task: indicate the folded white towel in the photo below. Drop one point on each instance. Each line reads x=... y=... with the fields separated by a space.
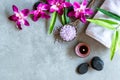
x=99 y=33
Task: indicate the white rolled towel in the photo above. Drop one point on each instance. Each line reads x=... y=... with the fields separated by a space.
x=100 y=33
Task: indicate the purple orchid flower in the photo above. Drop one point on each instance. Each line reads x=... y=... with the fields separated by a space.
x=58 y=5
x=40 y=12
x=80 y=11
x=19 y=17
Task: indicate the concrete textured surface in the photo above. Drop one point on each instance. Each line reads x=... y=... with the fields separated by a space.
x=31 y=54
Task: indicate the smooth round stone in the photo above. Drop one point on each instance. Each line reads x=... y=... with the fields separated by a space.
x=97 y=63
x=83 y=68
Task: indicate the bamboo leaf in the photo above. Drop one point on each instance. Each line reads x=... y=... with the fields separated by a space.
x=119 y=41
x=104 y=23
x=109 y=21
x=63 y=17
x=110 y=14
x=114 y=44
x=68 y=0
x=66 y=17
x=54 y=16
x=118 y=44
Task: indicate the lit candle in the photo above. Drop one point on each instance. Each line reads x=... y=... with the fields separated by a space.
x=82 y=50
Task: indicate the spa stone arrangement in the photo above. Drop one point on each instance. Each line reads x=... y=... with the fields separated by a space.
x=72 y=14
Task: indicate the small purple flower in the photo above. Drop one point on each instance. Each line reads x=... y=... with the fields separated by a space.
x=58 y=5
x=19 y=17
x=68 y=33
x=80 y=11
x=40 y=12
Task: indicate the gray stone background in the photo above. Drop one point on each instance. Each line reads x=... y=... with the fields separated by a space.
x=31 y=54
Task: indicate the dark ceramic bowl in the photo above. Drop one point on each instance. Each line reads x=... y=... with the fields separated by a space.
x=82 y=50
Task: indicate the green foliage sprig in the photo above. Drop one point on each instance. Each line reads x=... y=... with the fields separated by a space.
x=112 y=25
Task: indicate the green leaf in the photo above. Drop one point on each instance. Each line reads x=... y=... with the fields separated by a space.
x=110 y=14
x=65 y=18
x=54 y=16
x=109 y=21
x=68 y=0
x=114 y=44
x=66 y=11
x=104 y=23
x=119 y=40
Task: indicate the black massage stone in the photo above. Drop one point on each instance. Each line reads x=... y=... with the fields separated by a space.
x=97 y=63
x=83 y=68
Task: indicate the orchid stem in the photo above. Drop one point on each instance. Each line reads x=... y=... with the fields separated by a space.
x=54 y=16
